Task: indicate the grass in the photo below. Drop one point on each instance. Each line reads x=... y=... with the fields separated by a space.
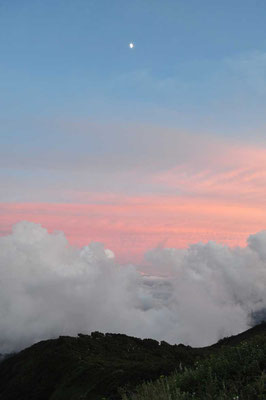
x=93 y=367
x=235 y=373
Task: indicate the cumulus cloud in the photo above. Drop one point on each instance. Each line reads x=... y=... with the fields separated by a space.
x=49 y=288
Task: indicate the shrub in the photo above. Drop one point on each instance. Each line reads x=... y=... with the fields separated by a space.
x=232 y=373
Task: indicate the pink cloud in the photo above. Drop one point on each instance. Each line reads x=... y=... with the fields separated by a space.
x=236 y=174
x=215 y=193
x=131 y=225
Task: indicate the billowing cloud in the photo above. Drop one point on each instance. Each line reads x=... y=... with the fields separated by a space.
x=49 y=288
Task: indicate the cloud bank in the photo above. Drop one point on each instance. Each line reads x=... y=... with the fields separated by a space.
x=49 y=288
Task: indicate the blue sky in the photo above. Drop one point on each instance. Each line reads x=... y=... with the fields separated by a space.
x=197 y=66
x=146 y=150
x=181 y=116
x=189 y=66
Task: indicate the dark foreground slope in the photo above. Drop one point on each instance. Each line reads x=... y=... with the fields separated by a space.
x=87 y=367
x=93 y=367
x=235 y=369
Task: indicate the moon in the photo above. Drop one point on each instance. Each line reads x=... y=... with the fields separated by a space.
x=131 y=45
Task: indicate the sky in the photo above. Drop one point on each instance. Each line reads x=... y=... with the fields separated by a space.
x=162 y=145
x=132 y=181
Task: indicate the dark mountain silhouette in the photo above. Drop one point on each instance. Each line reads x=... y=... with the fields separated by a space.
x=93 y=367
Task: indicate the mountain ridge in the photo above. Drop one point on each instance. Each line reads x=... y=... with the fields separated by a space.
x=93 y=367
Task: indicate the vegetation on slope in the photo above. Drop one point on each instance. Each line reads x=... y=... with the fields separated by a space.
x=94 y=367
x=88 y=367
x=237 y=373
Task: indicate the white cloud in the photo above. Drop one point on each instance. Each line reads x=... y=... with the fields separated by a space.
x=49 y=288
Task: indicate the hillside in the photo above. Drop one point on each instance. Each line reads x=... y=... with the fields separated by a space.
x=87 y=367
x=235 y=369
x=95 y=366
